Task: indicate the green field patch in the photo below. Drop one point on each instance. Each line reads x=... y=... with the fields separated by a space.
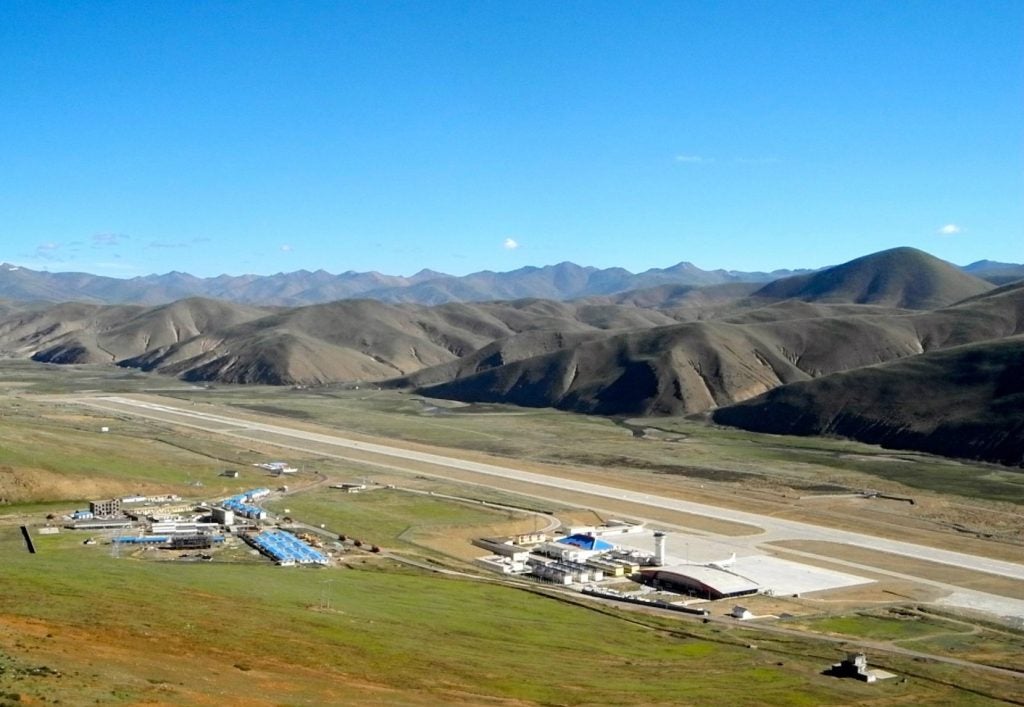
x=385 y=516
x=697 y=650
x=888 y=627
x=1000 y=649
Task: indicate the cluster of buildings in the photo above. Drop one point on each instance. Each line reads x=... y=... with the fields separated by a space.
x=166 y=522
x=286 y=549
x=243 y=505
x=581 y=556
x=586 y=555
x=115 y=509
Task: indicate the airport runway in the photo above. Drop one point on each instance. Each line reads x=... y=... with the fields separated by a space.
x=774 y=528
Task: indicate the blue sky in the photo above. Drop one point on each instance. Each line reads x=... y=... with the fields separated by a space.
x=235 y=137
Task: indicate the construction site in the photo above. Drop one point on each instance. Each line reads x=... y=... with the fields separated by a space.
x=171 y=524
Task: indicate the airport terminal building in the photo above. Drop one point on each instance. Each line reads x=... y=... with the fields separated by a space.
x=704 y=581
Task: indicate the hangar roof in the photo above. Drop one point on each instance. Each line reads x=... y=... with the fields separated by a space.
x=719 y=580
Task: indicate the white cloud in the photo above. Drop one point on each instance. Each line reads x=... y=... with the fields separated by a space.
x=120 y=267
x=100 y=239
x=42 y=256
x=950 y=229
x=693 y=159
x=757 y=160
x=286 y=248
x=510 y=244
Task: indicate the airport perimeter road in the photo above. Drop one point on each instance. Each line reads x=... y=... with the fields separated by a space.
x=775 y=528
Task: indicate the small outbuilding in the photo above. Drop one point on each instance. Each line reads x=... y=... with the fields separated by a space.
x=856 y=666
x=741 y=612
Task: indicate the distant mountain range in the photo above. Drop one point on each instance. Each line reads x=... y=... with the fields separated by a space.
x=896 y=347
x=559 y=282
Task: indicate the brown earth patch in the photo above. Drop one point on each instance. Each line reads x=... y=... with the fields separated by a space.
x=151 y=668
x=30 y=484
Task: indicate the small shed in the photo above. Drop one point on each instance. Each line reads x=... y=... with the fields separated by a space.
x=856 y=666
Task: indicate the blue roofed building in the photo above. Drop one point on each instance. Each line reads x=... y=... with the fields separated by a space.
x=578 y=547
x=586 y=542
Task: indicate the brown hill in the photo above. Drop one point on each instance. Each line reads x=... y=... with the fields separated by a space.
x=680 y=369
x=83 y=333
x=347 y=340
x=696 y=366
x=340 y=341
x=354 y=340
x=664 y=350
x=902 y=277
x=967 y=402
x=64 y=333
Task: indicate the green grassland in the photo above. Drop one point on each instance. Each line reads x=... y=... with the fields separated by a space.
x=388 y=517
x=134 y=630
x=50 y=378
x=170 y=633
x=892 y=626
x=989 y=647
x=925 y=631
